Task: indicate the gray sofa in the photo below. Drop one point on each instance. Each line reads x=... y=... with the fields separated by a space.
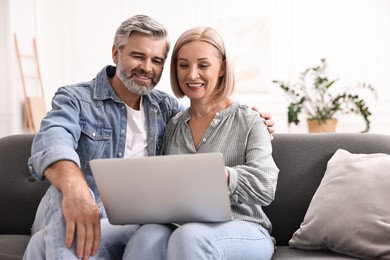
x=301 y=158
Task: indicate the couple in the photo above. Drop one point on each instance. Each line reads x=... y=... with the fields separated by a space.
x=120 y=114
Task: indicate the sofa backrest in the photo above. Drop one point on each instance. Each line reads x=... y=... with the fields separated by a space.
x=302 y=160
x=20 y=194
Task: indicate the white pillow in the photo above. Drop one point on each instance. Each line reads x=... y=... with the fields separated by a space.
x=350 y=211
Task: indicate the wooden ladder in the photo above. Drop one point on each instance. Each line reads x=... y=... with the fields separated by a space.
x=34 y=96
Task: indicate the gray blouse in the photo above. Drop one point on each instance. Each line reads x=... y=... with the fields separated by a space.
x=242 y=137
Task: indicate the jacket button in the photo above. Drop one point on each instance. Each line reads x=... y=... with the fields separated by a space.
x=30 y=178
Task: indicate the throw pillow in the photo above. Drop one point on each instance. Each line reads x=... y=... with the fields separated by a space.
x=350 y=211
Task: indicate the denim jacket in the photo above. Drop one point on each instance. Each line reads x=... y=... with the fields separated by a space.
x=88 y=121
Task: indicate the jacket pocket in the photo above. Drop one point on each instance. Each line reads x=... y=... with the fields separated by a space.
x=95 y=140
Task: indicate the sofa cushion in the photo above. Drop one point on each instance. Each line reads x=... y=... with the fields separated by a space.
x=288 y=253
x=12 y=246
x=349 y=213
x=302 y=160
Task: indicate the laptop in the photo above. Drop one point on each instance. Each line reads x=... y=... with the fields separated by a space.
x=163 y=189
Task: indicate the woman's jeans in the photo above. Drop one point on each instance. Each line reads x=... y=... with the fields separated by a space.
x=48 y=233
x=231 y=240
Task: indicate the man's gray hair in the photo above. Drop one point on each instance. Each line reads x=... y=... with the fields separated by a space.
x=142 y=24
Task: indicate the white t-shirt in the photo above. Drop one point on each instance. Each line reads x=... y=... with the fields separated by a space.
x=136 y=144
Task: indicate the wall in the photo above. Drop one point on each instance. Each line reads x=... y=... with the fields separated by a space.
x=16 y=16
x=270 y=39
x=353 y=36
x=5 y=117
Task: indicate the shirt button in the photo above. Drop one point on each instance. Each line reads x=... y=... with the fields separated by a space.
x=119 y=154
x=94 y=134
x=122 y=131
x=204 y=140
x=30 y=168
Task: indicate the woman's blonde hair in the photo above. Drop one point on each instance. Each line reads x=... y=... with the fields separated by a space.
x=226 y=83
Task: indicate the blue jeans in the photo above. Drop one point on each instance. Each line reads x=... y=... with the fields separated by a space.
x=229 y=240
x=48 y=233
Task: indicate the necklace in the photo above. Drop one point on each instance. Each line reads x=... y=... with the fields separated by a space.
x=191 y=111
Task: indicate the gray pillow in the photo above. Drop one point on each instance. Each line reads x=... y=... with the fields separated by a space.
x=350 y=211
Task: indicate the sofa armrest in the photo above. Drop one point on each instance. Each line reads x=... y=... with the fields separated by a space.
x=20 y=194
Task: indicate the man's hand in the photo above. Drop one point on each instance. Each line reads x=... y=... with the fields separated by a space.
x=269 y=122
x=227 y=175
x=79 y=208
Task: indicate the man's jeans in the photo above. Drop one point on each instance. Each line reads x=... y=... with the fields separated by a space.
x=48 y=240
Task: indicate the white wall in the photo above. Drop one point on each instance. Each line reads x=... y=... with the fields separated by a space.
x=75 y=39
x=5 y=116
x=16 y=16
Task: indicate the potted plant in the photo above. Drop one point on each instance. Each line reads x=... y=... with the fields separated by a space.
x=313 y=96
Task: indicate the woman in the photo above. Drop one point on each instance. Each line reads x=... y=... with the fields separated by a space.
x=202 y=71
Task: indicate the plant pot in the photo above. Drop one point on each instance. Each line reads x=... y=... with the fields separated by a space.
x=315 y=126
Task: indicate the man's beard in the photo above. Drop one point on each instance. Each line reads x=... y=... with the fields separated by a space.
x=132 y=85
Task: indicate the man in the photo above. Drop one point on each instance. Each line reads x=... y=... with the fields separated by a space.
x=117 y=114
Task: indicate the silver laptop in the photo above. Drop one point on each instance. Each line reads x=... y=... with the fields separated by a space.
x=163 y=189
